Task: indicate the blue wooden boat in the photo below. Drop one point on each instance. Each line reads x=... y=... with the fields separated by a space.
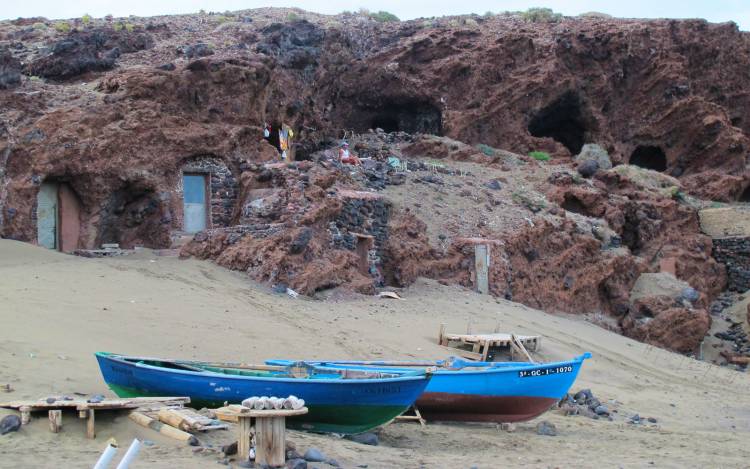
x=338 y=400
x=481 y=391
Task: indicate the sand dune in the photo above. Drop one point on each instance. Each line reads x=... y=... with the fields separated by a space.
x=56 y=310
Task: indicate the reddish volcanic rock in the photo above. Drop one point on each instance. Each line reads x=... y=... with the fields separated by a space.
x=657 y=320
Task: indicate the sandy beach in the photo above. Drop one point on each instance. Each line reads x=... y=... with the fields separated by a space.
x=56 y=310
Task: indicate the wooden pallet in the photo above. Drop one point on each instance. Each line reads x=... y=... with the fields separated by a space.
x=86 y=410
x=481 y=344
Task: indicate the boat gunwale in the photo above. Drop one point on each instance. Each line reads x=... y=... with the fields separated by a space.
x=122 y=359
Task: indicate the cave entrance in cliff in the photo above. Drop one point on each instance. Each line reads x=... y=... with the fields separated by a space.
x=649 y=157
x=133 y=216
x=58 y=214
x=410 y=117
x=745 y=196
x=563 y=121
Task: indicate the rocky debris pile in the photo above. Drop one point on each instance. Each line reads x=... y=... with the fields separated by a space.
x=737 y=336
x=584 y=403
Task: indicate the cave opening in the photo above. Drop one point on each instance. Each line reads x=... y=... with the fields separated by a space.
x=401 y=116
x=574 y=204
x=133 y=215
x=563 y=121
x=649 y=157
x=745 y=196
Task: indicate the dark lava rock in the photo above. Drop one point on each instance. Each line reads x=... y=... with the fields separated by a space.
x=601 y=410
x=314 y=455
x=87 y=51
x=296 y=464
x=494 y=185
x=10 y=70
x=588 y=168
x=196 y=50
x=652 y=420
x=10 y=423
x=295 y=44
x=546 y=428
x=364 y=438
x=300 y=242
x=583 y=395
x=168 y=67
x=229 y=449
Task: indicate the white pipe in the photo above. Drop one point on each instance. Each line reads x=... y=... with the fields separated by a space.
x=106 y=457
x=130 y=455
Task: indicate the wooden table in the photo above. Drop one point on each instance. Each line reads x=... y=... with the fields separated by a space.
x=270 y=434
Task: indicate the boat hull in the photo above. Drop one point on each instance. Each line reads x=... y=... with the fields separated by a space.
x=335 y=405
x=488 y=392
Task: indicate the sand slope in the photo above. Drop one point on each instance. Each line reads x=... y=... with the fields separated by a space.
x=56 y=310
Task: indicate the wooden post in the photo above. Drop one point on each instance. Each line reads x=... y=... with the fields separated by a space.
x=25 y=414
x=270 y=441
x=90 y=425
x=482 y=266
x=55 y=421
x=244 y=442
x=441 y=334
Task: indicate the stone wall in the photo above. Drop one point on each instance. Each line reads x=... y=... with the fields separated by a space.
x=364 y=214
x=222 y=184
x=734 y=253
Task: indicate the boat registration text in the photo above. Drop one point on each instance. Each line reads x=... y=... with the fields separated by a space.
x=545 y=371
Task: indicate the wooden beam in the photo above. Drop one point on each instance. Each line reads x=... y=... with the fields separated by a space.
x=90 y=425
x=55 y=420
x=25 y=414
x=270 y=439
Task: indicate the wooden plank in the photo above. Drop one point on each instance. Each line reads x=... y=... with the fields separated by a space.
x=81 y=404
x=244 y=441
x=441 y=335
x=519 y=345
x=166 y=430
x=485 y=351
x=55 y=420
x=90 y=425
x=270 y=441
x=465 y=354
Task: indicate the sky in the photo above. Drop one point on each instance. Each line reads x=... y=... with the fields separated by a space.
x=712 y=10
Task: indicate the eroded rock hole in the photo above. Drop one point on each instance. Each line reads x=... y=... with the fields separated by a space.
x=563 y=121
x=134 y=215
x=745 y=196
x=408 y=116
x=649 y=157
x=574 y=204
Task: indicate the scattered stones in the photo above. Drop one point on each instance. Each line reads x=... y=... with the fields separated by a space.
x=229 y=449
x=314 y=455
x=364 y=438
x=168 y=67
x=546 y=428
x=297 y=463
x=10 y=423
x=196 y=50
x=601 y=410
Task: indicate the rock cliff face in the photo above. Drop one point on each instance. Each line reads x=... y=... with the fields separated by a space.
x=118 y=111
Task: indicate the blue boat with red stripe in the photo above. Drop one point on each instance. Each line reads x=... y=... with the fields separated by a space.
x=481 y=391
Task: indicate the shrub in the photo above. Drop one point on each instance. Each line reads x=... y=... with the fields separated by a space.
x=86 y=19
x=540 y=155
x=541 y=15
x=486 y=149
x=384 y=17
x=118 y=26
x=62 y=27
x=129 y=27
x=39 y=26
x=292 y=16
x=488 y=14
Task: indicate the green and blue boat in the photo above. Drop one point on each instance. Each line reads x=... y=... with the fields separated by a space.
x=339 y=400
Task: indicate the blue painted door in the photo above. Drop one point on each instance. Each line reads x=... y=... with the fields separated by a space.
x=195 y=210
